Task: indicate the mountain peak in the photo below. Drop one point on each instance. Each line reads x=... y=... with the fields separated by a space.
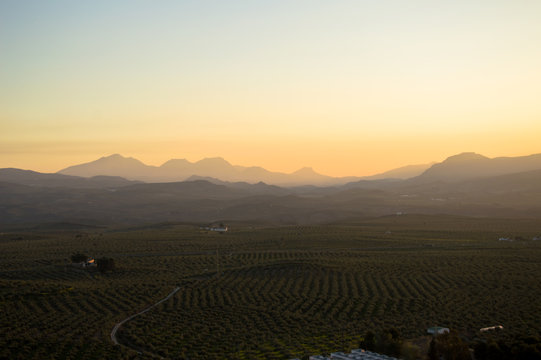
x=112 y=165
x=471 y=165
x=465 y=156
x=307 y=170
x=174 y=163
x=118 y=159
x=213 y=161
x=113 y=156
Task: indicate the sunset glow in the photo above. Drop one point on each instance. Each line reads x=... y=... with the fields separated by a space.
x=346 y=87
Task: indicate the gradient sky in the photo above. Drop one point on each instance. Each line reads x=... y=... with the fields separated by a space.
x=347 y=87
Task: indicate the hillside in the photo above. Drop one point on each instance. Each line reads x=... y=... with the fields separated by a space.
x=33 y=178
x=513 y=195
x=471 y=165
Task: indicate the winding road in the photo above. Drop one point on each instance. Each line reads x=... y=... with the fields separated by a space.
x=118 y=325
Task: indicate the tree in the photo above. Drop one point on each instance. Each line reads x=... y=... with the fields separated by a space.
x=389 y=342
x=369 y=341
x=78 y=258
x=105 y=264
x=448 y=346
x=432 y=351
x=480 y=350
x=410 y=351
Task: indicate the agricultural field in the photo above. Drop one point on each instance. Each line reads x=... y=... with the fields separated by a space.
x=264 y=292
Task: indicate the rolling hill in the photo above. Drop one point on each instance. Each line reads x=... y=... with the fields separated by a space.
x=471 y=165
x=510 y=195
x=33 y=178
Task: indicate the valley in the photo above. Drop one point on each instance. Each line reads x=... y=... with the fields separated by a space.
x=260 y=292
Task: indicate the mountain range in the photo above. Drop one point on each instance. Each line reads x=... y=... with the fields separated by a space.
x=467 y=184
x=459 y=167
x=218 y=168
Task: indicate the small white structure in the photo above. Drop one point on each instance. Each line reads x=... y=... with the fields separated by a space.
x=215 y=228
x=505 y=239
x=219 y=229
x=437 y=330
x=356 y=354
x=490 y=328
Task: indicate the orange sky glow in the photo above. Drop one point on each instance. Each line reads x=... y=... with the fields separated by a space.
x=345 y=87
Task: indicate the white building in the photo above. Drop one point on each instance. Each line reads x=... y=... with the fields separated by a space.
x=497 y=327
x=216 y=228
x=219 y=229
x=356 y=354
x=437 y=330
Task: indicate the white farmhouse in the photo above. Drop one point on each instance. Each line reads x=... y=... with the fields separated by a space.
x=437 y=330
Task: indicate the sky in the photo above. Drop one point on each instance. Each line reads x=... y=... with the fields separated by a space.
x=346 y=87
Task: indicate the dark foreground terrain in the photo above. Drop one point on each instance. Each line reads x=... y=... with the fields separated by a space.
x=260 y=292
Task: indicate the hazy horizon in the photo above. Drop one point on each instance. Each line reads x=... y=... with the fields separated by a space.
x=347 y=88
x=114 y=259
x=195 y=161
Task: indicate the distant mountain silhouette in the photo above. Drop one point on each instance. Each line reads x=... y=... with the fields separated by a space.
x=454 y=169
x=515 y=183
x=33 y=178
x=176 y=164
x=113 y=165
x=182 y=169
x=511 y=195
x=259 y=188
x=404 y=172
x=471 y=165
x=217 y=168
x=466 y=184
